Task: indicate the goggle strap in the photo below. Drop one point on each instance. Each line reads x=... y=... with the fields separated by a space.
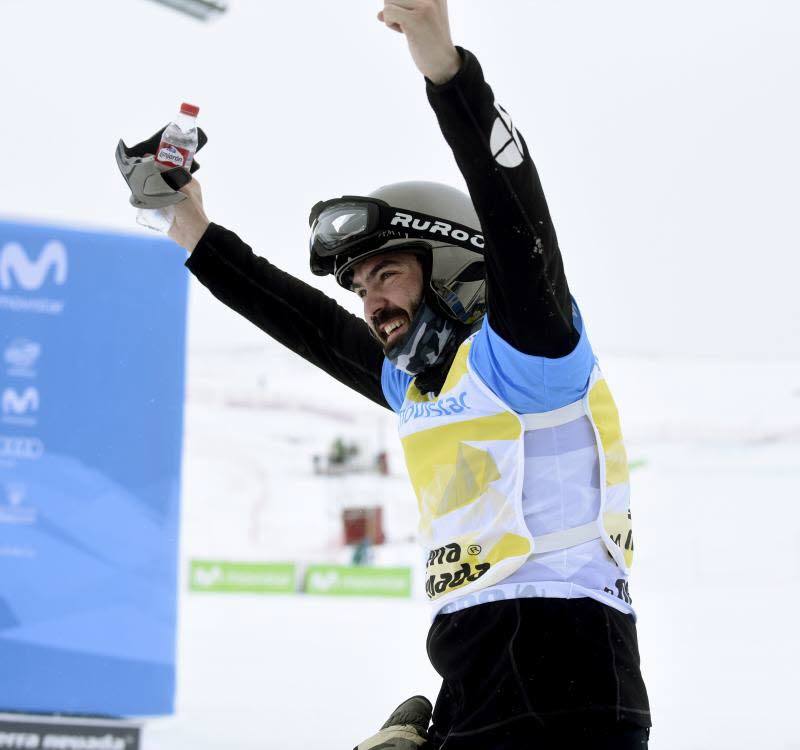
x=424 y=226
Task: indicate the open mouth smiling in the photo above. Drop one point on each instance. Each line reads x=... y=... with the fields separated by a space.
x=392 y=329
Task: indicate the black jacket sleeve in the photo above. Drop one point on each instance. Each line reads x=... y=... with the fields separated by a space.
x=292 y=312
x=528 y=299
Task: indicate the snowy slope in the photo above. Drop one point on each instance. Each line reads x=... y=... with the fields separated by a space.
x=716 y=581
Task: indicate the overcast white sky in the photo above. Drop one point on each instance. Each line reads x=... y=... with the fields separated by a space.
x=665 y=134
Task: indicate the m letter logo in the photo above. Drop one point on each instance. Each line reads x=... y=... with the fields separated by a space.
x=16 y=266
x=16 y=403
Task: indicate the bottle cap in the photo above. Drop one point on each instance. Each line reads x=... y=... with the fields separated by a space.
x=189 y=109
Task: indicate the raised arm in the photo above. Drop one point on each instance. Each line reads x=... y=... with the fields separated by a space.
x=529 y=304
x=297 y=315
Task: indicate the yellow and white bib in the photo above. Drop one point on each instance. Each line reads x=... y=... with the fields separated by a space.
x=466 y=455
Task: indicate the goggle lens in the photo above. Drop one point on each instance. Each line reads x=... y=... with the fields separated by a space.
x=338 y=224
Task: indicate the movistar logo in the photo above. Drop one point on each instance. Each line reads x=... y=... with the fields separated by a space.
x=14 y=402
x=431 y=226
x=15 y=265
x=444 y=407
x=323 y=580
x=208 y=577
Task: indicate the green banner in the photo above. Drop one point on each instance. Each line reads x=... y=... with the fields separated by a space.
x=242 y=577
x=344 y=580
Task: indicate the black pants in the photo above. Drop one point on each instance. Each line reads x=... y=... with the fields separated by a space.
x=623 y=738
x=530 y=674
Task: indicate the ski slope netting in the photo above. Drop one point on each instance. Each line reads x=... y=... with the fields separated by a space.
x=716 y=508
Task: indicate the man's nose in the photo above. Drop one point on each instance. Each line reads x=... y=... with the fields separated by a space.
x=374 y=302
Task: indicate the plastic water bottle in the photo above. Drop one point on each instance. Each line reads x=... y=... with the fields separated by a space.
x=177 y=147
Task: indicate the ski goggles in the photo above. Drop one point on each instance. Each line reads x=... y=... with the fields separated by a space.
x=346 y=229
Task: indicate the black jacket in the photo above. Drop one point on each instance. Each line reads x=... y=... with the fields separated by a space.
x=529 y=305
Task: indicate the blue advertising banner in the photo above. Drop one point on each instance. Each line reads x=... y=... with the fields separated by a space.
x=92 y=359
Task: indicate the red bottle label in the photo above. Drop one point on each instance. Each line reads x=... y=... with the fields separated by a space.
x=173 y=156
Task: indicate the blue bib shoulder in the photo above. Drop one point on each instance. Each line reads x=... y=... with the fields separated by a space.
x=394 y=383
x=530 y=384
x=526 y=383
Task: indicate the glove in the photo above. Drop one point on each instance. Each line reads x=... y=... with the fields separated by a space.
x=150 y=186
x=406 y=728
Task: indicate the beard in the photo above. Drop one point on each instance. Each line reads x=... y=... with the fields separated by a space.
x=392 y=313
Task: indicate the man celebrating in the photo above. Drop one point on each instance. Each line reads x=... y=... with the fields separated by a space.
x=510 y=432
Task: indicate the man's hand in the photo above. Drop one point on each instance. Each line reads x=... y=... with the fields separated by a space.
x=191 y=221
x=427 y=28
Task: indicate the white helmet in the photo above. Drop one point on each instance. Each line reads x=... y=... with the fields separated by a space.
x=435 y=220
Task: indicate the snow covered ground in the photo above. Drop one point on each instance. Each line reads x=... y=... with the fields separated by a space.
x=716 y=580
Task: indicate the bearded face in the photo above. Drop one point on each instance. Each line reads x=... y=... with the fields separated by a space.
x=390 y=287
